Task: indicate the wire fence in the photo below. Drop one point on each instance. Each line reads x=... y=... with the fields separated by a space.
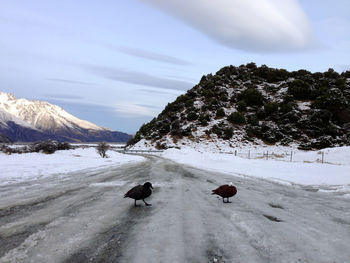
x=287 y=156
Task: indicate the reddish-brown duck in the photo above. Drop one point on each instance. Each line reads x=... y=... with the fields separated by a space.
x=225 y=191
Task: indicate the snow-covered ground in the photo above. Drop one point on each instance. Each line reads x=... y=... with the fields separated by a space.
x=304 y=170
x=21 y=167
x=306 y=167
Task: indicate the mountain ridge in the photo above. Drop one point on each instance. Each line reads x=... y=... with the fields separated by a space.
x=32 y=120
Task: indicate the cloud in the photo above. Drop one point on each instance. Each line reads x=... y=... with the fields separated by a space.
x=131 y=109
x=70 y=81
x=149 y=106
x=153 y=56
x=64 y=96
x=251 y=25
x=139 y=78
x=174 y=92
x=126 y=109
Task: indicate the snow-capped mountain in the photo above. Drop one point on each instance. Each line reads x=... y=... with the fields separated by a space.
x=6 y=117
x=50 y=121
x=42 y=115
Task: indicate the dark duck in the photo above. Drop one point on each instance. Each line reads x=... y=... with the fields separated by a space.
x=140 y=192
x=225 y=191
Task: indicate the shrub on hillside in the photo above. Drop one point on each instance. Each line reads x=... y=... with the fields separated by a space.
x=331 y=74
x=187 y=131
x=236 y=118
x=252 y=119
x=191 y=116
x=252 y=97
x=300 y=89
x=241 y=106
x=203 y=119
x=333 y=100
x=220 y=113
x=286 y=107
x=227 y=133
x=270 y=108
x=288 y=98
x=271 y=74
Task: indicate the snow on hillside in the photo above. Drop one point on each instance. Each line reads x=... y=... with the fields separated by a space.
x=42 y=115
x=30 y=166
x=328 y=177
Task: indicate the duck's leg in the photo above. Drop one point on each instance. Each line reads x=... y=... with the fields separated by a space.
x=145 y=202
x=223 y=200
x=228 y=200
x=136 y=204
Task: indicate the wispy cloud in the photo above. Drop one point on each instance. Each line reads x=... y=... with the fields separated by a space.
x=131 y=109
x=158 y=91
x=70 y=81
x=62 y=101
x=252 y=25
x=149 y=106
x=139 y=78
x=64 y=96
x=141 y=53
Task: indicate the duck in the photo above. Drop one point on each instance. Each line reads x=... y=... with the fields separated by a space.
x=140 y=192
x=225 y=191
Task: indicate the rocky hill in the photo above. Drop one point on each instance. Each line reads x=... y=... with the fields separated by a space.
x=249 y=105
x=26 y=121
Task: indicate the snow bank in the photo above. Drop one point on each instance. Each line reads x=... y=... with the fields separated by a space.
x=21 y=167
x=303 y=173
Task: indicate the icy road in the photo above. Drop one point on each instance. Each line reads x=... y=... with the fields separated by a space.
x=83 y=217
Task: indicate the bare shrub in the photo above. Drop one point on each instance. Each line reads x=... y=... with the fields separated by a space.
x=102 y=148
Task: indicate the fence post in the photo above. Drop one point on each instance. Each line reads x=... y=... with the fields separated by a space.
x=322 y=157
x=235 y=152
x=249 y=154
x=267 y=155
x=291 y=156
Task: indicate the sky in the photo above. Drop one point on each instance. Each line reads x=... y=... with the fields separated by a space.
x=118 y=63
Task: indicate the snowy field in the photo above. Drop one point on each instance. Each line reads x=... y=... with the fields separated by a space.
x=305 y=170
x=21 y=167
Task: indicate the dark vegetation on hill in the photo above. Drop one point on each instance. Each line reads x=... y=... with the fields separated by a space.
x=272 y=105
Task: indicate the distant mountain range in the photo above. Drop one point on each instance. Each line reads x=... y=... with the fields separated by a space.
x=250 y=105
x=24 y=120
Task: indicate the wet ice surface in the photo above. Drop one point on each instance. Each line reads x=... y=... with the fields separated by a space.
x=84 y=218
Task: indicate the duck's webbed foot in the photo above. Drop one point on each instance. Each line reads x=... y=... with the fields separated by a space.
x=227 y=200
x=146 y=203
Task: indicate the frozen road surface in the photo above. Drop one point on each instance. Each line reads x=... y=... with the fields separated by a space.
x=83 y=217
